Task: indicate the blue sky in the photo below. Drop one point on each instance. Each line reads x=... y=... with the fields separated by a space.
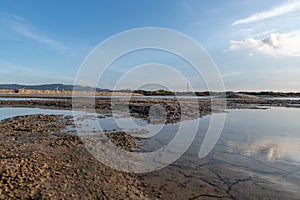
x=255 y=44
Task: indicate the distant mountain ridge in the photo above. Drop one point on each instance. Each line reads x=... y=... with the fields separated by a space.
x=59 y=87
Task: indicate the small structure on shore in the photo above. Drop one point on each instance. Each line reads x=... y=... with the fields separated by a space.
x=21 y=90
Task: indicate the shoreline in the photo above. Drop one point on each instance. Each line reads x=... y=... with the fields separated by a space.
x=39 y=160
x=60 y=166
x=173 y=109
x=104 y=104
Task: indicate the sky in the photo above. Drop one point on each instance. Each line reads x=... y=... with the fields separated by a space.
x=255 y=44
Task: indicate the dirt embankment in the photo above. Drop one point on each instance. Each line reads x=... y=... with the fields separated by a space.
x=20 y=92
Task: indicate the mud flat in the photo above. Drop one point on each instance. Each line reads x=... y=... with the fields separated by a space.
x=39 y=159
x=175 y=110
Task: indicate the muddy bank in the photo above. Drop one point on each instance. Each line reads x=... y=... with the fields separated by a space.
x=38 y=160
x=66 y=93
x=171 y=110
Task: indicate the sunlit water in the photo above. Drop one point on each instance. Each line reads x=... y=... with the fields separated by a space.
x=273 y=135
x=284 y=98
x=13 y=112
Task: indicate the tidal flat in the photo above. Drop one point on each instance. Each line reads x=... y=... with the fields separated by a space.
x=256 y=157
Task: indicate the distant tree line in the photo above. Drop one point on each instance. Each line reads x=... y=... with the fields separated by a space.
x=273 y=94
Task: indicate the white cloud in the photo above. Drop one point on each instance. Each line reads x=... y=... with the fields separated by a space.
x=276 y=44
x=289 y=6
x=21 y=27
x=263 y=33
x=32 y=35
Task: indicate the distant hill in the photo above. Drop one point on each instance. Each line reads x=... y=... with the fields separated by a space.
x=60 y=87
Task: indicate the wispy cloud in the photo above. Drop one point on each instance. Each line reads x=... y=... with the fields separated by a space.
x=276 y=44
x=287 y=7
x=32 y=35
x=21 y=27
x=231 y=74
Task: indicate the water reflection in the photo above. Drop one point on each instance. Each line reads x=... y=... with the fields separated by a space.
x=284 y=98
x=13 y=112
x=271 y=134
x=271 y=148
